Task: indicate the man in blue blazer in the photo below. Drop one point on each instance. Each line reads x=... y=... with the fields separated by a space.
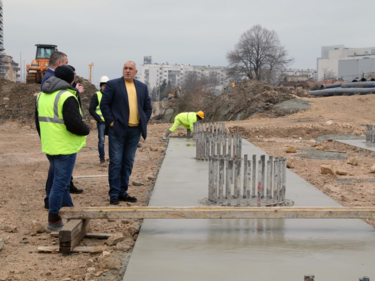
x=126 y=108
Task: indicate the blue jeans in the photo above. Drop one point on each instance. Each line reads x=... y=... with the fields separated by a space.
x=62 y=166
x=121 y=158
x=101 y=137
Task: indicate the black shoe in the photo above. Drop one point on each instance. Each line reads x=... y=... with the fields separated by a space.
x=127 y=198
x=113 y=200
x=75 y=190
x=46 y=206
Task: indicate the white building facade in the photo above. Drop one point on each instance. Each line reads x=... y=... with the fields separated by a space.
x=308 y=74
x=153 y=75
x=344 y=63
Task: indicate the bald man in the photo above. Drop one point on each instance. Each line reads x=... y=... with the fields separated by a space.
x=126 y=108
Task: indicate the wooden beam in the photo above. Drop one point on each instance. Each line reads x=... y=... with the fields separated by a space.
x=218 y=213
x=56 y=249
x=88 y=235
x=72 y=233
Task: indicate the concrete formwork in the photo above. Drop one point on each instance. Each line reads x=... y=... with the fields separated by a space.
x=261 y=250
x=360 y=144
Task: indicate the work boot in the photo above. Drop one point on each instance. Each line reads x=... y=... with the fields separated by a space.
x=127 y=198
x=113 y=200
x=74 y=190
x=167 y=134
x=102 y=162
x=188 y=133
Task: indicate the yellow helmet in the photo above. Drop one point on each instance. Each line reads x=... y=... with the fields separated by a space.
x=200 y=114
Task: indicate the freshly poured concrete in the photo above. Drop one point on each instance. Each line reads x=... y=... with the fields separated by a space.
x=242 y=249
x=359 y=143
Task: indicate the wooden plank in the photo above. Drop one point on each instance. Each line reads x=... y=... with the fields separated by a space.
x=89 y=235
x=72 y=233
x=218 y=213
x=56 y=249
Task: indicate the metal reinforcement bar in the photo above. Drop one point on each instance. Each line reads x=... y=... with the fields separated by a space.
x=370 y=133
x=218 y=213
x=212 y=140
x=261 y=183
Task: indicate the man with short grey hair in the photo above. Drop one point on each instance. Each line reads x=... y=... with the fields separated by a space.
x=55 y=60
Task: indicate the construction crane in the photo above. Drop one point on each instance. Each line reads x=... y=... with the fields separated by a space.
x=39 y=66
x=91 y=65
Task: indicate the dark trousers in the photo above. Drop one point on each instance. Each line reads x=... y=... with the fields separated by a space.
x=121 y=158
x=101 y=137
x=62 y=166
x=49 y=183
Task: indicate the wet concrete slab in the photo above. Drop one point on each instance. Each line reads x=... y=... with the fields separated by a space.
x=359 y=143
x=259 y=249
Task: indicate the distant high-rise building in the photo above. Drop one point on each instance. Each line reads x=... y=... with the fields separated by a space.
x=8 y=67
x=2 y=68
x=154 y=74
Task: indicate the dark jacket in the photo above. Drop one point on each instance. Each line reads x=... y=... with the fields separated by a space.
x=115 y=105
x=71 y=115
x=46 y=76
x=92 y=108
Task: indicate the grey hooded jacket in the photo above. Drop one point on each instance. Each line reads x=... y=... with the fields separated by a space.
x=71 y=115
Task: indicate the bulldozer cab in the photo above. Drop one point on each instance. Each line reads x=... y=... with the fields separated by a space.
x=44 y=51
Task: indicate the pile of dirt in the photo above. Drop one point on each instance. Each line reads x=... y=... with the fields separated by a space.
x=247 y=99
x=17 y=100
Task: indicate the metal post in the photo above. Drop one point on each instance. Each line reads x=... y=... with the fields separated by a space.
x=276 y=180
x=210 y=179
x=230 y=144
x=268 y=181
x=248 y=175
x=259 y=183
x=240 y=146
x=212 y=145
x=253 y=180
x=221 y=178
x=216 y=177
x=234 y=146
x=283 y=168
x=230 y=178
x=245 y=179
x=238 y=181
x=227 y=179
x=262 y=180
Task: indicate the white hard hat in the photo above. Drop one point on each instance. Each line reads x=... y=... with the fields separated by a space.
x=103 y=79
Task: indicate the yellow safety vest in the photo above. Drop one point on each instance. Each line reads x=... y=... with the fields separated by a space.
x=56 y=139
x=98 y=111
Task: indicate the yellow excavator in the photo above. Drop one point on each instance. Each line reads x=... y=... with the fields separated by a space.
x=176 y=94
x=39 y=66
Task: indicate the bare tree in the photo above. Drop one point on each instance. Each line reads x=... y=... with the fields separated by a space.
x=328 y=75
x=257 y=55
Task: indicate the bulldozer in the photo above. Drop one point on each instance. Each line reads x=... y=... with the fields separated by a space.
x=39 y=66
x=176 y=94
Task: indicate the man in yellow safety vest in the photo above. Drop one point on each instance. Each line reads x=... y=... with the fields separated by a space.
x=95 y=111
x=62 y=133
x=186 y=119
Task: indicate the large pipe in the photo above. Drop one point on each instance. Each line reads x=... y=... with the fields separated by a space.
x=358 y=85
x=333 y=85
x=341 y=91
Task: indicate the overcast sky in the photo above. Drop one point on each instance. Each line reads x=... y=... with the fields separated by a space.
x=198 y=32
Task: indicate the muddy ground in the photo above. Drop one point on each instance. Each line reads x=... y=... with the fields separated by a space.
x=23 y=169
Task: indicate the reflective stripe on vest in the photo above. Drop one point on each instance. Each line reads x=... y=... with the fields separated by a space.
x=55 y=118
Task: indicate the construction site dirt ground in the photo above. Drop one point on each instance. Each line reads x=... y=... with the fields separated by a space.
x=23 y=170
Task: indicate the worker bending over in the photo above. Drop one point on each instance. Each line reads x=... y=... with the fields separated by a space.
x=186 y=119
